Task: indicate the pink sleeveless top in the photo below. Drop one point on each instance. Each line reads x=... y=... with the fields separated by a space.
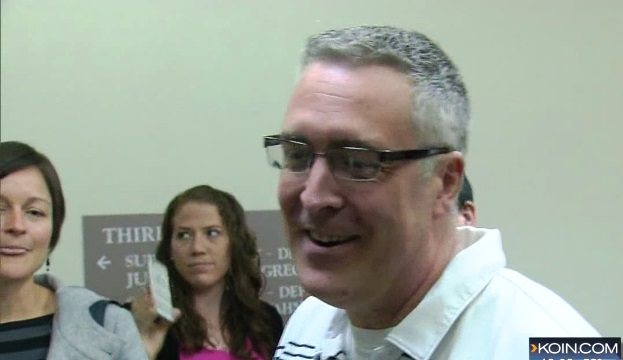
x=212 y=354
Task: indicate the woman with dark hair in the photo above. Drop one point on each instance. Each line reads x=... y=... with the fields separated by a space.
x=215 y=281
x=39 y=317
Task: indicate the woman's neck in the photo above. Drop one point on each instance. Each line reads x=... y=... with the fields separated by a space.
x=23 y=300
x=208 y=306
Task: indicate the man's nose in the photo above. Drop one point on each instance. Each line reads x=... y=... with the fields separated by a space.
x=321 y=190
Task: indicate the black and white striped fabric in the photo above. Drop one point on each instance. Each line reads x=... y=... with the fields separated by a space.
x=297 y=351
x=293 y=350
x=26 y=339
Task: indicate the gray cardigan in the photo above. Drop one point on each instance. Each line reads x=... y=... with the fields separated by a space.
x=76 y=335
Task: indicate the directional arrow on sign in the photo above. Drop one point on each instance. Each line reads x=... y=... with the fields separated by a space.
x=103 y=262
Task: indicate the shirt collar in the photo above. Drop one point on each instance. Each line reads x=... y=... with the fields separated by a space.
x=463 y=279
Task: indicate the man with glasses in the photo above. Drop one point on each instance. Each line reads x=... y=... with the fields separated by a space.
x=371 y=159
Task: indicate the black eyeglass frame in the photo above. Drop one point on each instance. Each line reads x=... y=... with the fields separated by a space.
x=384 y=156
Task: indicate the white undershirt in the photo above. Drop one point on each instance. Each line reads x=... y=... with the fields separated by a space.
x=362 y=343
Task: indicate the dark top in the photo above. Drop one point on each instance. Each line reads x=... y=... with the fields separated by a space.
x=26 y=339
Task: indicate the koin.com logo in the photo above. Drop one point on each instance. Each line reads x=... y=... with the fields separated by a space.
x=575 y=348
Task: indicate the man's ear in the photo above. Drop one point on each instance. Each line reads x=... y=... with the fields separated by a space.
x=449 y=173
x=468 y=211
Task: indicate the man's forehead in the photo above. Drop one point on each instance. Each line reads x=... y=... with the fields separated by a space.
x=355 y=80
x=370 y=105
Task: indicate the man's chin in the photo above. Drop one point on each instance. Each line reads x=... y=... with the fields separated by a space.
x=325 y=290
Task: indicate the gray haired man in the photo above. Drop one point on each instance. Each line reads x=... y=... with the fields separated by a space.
x=371 y=158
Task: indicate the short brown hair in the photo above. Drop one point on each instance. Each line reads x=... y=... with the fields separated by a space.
x=15 y=156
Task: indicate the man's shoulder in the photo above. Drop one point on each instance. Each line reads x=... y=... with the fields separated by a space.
x=540 y=309
x=500 y=320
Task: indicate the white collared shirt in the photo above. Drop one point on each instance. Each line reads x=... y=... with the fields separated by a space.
x=478 y=309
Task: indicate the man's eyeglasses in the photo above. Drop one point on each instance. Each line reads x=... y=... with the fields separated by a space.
x=348 y=163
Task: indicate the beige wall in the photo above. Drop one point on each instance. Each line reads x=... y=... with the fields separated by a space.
x=135 y=100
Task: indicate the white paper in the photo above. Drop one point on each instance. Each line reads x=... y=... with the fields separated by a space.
x=160 y=290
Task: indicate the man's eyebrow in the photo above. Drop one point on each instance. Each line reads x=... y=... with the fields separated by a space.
x=335 y=143
x=292 y=136
x=338 y=143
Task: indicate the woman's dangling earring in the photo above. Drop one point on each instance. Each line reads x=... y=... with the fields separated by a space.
x=47 y=264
